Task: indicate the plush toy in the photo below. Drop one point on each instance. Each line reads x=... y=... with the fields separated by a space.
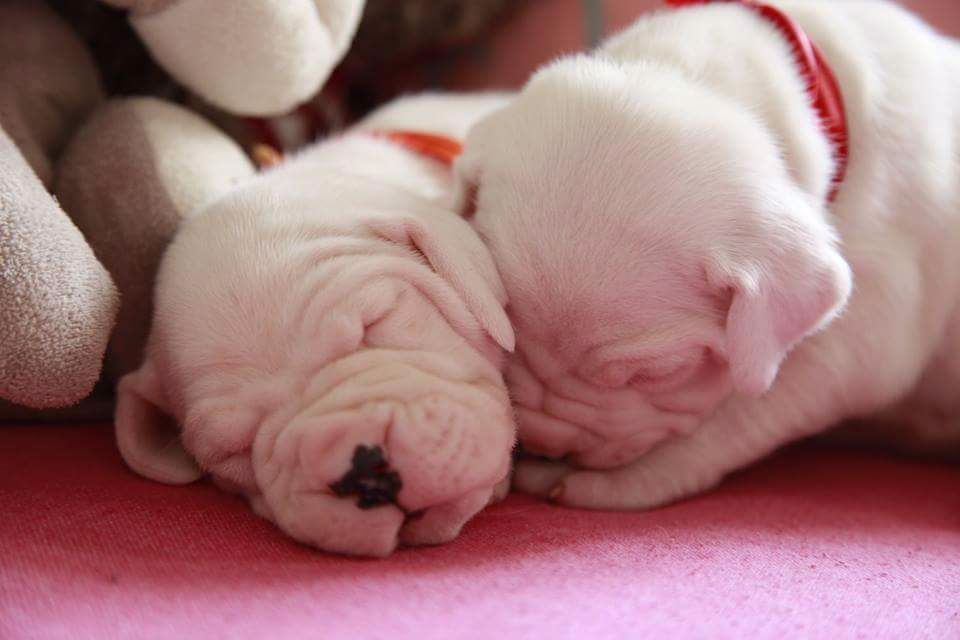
x=400 y=46
x=252 y=57
x=58 y=303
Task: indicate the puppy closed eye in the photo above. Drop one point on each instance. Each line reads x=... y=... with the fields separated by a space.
x=646 y=378
x=666 y=375
x=638 y=373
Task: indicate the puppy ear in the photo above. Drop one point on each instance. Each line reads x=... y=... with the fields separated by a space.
x=466 y=171
x=455 y=252
x=147 y=434
x=796 y=288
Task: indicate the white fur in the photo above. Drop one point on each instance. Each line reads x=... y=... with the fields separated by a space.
x=684 y=297
x=332 y=302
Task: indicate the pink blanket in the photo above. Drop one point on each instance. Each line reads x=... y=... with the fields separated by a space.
x=814 y=543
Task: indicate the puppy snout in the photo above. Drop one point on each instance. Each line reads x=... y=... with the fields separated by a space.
x=410 y=469
x=370 y=479
x=317 y=474
x=445 y=447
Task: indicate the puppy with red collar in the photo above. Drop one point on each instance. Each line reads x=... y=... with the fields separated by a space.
x=732 y=226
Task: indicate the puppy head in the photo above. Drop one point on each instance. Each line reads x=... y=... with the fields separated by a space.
x=656 y=254
x=338 y=375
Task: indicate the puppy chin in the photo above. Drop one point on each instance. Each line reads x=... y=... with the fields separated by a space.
x=610 y=428
x=552 y=437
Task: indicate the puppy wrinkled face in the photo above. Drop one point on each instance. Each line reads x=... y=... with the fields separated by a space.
x=620 y=365
x=609 y=212
x=343 y=372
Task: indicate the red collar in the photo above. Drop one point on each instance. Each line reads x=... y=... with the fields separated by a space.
x=822 y=85
x=436 y=147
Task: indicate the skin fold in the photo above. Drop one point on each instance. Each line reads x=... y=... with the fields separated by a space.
x=328 y=341
x=685 y=297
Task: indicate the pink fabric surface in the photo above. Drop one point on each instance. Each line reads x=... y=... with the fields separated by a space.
x=813 y=543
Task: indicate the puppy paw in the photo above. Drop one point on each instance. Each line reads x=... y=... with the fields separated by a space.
x=639 y=485
x=538 y=477
x=612 y=490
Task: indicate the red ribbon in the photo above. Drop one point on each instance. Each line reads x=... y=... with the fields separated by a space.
x=443 y=149
x=822 y=85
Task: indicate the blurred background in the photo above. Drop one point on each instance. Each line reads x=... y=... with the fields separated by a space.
x=542 y=29
x=403 y=46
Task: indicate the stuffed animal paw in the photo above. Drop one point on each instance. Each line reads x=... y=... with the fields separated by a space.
x=250 y=57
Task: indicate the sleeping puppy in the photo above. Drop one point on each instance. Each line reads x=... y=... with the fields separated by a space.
x=328 y=341
x=686 y=293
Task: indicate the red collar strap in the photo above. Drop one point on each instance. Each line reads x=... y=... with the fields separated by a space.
x=822 y=85
x=443 y=149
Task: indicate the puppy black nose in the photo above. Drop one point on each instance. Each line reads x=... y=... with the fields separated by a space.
x=370 y=479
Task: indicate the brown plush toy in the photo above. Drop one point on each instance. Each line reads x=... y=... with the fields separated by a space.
x=125 y=171
x=135 y=169
x=57 y=303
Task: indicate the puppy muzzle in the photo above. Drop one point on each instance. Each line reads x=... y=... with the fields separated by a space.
x=392 y=455
x=599 y=432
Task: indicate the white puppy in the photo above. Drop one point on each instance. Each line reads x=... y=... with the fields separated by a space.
x=660 y=214
x=328 y=339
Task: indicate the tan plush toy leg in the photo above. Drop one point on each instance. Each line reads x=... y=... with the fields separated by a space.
x=57 y=302
x=128 y=177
